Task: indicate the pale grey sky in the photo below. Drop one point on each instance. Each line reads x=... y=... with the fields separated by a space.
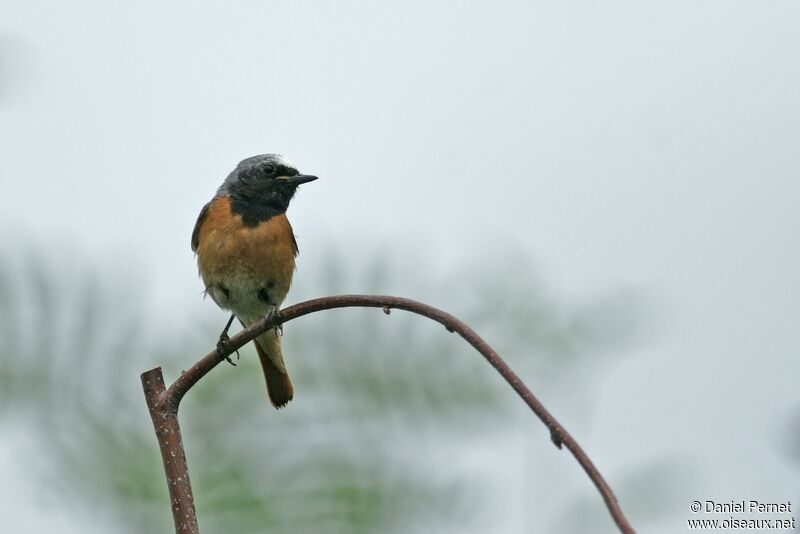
x=651 y=146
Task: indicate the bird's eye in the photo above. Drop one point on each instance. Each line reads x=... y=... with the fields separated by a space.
x=269 y=169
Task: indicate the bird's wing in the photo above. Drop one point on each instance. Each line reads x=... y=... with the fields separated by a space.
x=196 y=232
x=294 y=239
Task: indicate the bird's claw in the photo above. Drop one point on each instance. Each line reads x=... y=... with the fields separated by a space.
x=221 y=346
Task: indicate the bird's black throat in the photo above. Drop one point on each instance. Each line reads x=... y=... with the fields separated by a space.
x=253 y=213
x=256 y=205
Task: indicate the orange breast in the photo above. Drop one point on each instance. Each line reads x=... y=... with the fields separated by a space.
x=228 y=249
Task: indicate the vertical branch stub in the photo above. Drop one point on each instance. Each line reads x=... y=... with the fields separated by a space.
x=168 y=433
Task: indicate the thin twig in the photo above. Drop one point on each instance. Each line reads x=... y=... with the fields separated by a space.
x=169 y=400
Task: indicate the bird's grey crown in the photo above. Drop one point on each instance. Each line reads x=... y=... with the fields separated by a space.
x=251 y=162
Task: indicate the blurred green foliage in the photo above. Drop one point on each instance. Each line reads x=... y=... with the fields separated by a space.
x=356 y=452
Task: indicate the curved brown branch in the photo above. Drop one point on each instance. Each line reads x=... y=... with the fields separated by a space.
x=168 y=401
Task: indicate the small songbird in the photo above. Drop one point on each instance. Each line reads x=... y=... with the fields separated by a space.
x=245 y=250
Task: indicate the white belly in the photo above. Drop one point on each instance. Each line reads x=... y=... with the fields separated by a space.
x=246 y=298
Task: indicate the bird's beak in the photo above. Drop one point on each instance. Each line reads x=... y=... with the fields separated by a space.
x=298 y=179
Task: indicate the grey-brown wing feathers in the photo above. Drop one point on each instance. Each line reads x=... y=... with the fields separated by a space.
x=294 y=239
x=196 y=232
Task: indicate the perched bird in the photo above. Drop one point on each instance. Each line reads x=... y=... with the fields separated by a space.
x=245 y=250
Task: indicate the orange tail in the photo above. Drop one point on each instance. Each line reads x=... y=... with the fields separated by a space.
x=279 y=386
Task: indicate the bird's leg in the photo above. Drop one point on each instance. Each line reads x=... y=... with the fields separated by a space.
x=223 y=340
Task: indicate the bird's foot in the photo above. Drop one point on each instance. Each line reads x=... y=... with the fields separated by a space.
x=222 y=344
x=272 y=315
